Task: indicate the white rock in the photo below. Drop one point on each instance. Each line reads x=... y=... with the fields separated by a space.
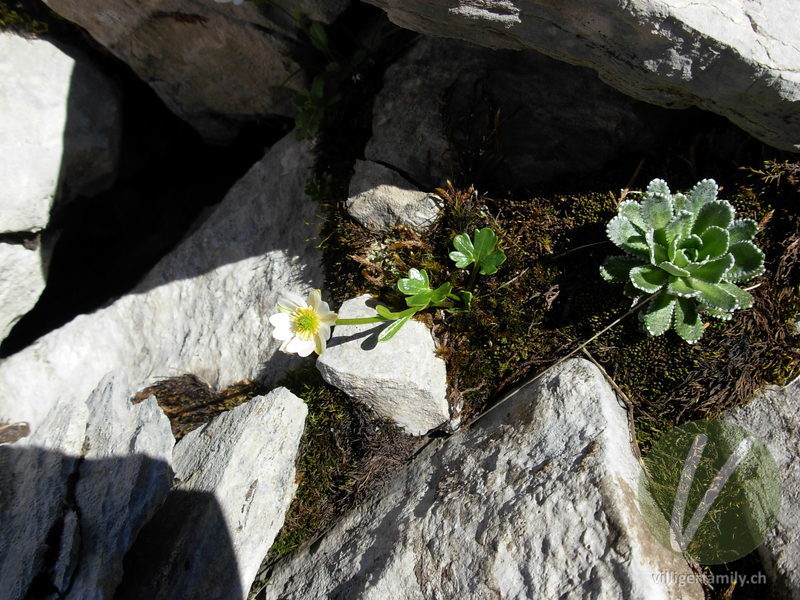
x=443 y=96
x=774 y=419
x=204 y=309
x=236 y=481
x=212 y=64
x=60 y=127
x=22 y=280
x=381 y=199
x=537 y=500
x=79 y=489
x=402 y=379
x=738 y=58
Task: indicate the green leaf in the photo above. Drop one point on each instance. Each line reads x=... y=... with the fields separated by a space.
x=416 y=282
x=748 y=262
x=687 y=321
x=718 y=314
x=484 y=242
x=703 y=192
x=712 y=295
x=387 y=314
x=742 y=230
x=715 y=243
x=393 y=328
x=743 y=297
x=648 y=278
x=658 y=187
x=712 y=271
x=657 y=208
x=318 y=36
x=461 y=259
x=490 y=263
x=463 y=244
x=658 y=253
x=481 y=250
x=673 y=269
x=679 y=200
x=465 y=298
x=678 y=228
x=657 y=318
x=680 y=259
x=680 y=288
x=318 y=88
x=716 y=212
x=617 y=268
x=421 y=300
x=632 y=210
x=625 y=236
x=440 y=293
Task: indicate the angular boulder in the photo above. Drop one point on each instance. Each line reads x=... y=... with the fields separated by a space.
x=78 y=491
x=203 y=309
x=381 y=199
x=60 y=129
x=213 y=64
x=236 y=479
x=22 y=280
x=536 y=500
x=774 y=419
x=525 y=117
x=402 y=379
x=736 y=58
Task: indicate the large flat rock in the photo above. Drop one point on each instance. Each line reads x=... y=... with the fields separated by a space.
x=738 y=58
x=60 y=128
x=203 y=309
x=536 y=500
x=22 y=281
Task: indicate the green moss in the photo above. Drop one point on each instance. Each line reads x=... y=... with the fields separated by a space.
x=25 y=18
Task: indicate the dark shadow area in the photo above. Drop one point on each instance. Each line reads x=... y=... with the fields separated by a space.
x=101 y=243
x=183 y=552
x=62 y=535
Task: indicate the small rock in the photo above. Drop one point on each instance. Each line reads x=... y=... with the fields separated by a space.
x=236 y=481
x=60 y=128
x=381 y=199
x=402 y=379
x=22 y=280
x=774 y=418
x=536 y=500
x=93 y=472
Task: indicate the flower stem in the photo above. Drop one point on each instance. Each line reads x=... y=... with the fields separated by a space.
x=361 y=321
x=472 y=277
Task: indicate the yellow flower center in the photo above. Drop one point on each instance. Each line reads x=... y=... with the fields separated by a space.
x=305 y=322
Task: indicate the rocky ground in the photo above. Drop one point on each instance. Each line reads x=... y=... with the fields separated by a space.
x=172 y=167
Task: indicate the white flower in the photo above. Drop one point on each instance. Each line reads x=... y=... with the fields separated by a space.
x=303 y=325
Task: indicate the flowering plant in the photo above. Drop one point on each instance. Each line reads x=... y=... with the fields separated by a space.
x=304 y=326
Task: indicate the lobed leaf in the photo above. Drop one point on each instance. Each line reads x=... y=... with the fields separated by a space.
x=416 y=282
x=715 y=243
x=703 y=192
x=657 y=209
x=626 y=237
x=632 y=210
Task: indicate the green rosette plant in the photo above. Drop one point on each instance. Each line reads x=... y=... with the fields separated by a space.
x=689 y=250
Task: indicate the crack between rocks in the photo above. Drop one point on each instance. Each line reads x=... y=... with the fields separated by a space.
x=27 y=239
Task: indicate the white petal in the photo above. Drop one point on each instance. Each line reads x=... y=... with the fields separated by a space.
x=319 y=342
x=288 y=302
x=329 y=318
x=300 y=346
x=314 y=299
x=324 y=331
x=283 y=326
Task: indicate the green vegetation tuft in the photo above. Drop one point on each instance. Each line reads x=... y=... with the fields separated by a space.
x=28 y=19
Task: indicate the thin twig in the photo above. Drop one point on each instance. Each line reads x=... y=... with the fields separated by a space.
x=626 y=190
x=571 y=250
